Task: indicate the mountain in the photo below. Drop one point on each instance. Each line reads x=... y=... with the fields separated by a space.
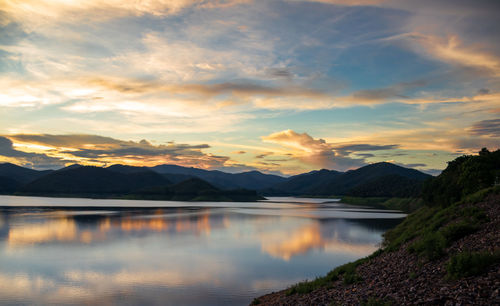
x=8 y=185
x=127 y=169
x=375 y=180
x=302 y=184
x=250 y=180
x=363 y=180
x=194 y=189
x=20 y=174
x=90 y=180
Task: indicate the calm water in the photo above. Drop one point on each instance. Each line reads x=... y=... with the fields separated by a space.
x=174 y=253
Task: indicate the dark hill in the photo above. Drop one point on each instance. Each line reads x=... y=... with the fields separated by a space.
x=194 y=189
x=8 y=185
x=359 y=181
x=89 y=180
x=302 y=184
x=251 y=180
x=375 y=180
x=127 y=169
x=21 y=174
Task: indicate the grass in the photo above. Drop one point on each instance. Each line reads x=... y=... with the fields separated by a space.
x=435 y=228
x=454 y=232
x=430 y=246
x=347 y=271
x=375 y=302
x=470 y=263
x=406 y=205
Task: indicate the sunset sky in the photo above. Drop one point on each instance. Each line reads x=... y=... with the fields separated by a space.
x=282 y=87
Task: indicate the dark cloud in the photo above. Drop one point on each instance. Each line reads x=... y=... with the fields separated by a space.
x=486 y=128
x=26 y=159
x=415 y=165
x=365 y=155
x=355 y=148
x=365 y=147
x=139 y=149
x=244 y=87
x=483 y=91
x=396 y=91
x=280 y=73
x=263 y=155
x=64 y=140
x=277 y=160
x=378 y=94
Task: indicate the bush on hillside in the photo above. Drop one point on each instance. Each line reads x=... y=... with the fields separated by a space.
x=465 y=175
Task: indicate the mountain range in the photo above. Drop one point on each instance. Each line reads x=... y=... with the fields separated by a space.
x=163 y=181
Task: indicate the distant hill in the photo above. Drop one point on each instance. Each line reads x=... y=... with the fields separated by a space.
x=20 y=174
x=375 y=180
x=379 y=179
x=8 y=185
x=89 y=180
x=194 y=189
x=250 y=180
x=365 y=178
x=303 y=183
x=127 y=169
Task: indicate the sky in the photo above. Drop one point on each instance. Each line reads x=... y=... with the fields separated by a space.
x=279 y=86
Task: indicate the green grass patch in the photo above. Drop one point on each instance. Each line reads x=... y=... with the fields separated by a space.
x=375 y=302
x=434 y=228
x=455 y=231
x=470 y=263
x=406 y=205
x=347 y=272
x=431 y=246
x=481 y=195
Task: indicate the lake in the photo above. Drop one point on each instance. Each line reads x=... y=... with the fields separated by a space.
x=64 y=250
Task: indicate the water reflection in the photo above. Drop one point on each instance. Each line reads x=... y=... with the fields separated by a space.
x=175 y=255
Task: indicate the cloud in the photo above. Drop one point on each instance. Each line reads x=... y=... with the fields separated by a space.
x=32 y=160
x=364 y=147
x=107 y=150
x=454 y=51
x=263 y=155
x=489 y=128
x=36 y=13
x=319 y=153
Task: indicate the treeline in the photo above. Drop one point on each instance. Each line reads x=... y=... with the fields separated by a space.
x=464 y=176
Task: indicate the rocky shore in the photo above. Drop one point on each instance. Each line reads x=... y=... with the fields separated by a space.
x=402 y=277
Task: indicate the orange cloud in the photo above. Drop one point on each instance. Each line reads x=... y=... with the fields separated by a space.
x=99 y=150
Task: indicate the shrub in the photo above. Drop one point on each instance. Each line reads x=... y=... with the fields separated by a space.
x=375 y=302
x=431 y=246
x=470 y=263
x=454 y=232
